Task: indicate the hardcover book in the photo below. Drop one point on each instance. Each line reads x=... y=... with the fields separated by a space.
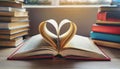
x=13 y=25
x=11 y=43
x=13 y=19
x=108 y=16
x=12 y=9
x=113 y=23
x=11 y=4
x=107 y=43
x=14 y=0
x=13 y=31
x=13 y=36
x=106 y=29
x=109 y=8
x=50 y=45
x=14 y=14
x=104 y=36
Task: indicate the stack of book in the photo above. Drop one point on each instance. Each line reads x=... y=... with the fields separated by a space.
x=106 y=31
x=14 y=23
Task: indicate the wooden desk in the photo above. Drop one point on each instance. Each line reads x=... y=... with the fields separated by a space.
x=59 y=64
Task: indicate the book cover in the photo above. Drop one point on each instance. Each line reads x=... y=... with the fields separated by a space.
x=50 y=45
x=13 y=25
x=108 y=16
x=104 y=36
x=13 y=31
x=11 y=4
x=11 y=43
x=109 y=8
x=18 y=1
x=12 y=9
x=112 y=23
x=14 y=14
x=106 y=29
x=13 y=19
x=13 y=36
x=107 y=43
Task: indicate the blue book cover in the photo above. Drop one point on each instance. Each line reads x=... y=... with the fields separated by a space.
x=104 y=36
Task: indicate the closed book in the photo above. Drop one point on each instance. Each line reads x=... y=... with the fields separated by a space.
x=14 y=0
x=13 y=19
x=13 y=25
x=108 y=16
x=14 y=14
x=11 y=43
x=109 y=8
x=10 y=37
x=13 y=31
x=104 y=36
x=106 y=29
x=113 y=23
x=107 y=44
x=12 y=9
x=10 y=4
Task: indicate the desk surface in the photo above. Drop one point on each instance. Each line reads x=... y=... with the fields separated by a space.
x=60 y=64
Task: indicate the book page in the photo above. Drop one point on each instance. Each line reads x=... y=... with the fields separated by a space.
x=34 y=43
x=62 y=39
x=83 y=43
x=34 y=46
x=49 y=37
x=66 y=37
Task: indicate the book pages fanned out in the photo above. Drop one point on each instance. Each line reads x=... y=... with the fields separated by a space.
x=48 y=44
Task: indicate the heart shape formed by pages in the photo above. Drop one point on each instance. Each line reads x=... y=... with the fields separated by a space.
x=58 y=40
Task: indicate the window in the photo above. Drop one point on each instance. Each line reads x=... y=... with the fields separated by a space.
x=84 y=2
x=68 y=2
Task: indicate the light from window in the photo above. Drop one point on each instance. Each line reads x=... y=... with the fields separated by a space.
x=85 y=2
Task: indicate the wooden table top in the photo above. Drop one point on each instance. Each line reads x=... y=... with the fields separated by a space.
x=114 y=54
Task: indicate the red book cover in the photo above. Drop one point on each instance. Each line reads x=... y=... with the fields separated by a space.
x=106 y=29
x=104 y=16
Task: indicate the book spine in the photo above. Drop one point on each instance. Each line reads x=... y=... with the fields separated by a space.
x=104 y=36
x=108 y=23
x=11 y=26
x=10 y=37
x=14 y=31
x=14 y=14
x=10 y=4
x=12 y=9
x=109 y=9
x=107 y=44
x=106 y=29
x=104 y=16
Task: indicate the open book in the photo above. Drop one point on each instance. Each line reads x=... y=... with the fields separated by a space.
x=49 y=44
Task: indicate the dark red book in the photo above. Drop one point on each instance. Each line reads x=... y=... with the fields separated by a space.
x=108 y=16
x=106 y=29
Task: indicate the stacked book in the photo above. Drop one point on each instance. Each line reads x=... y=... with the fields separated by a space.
x=14 y=23
x=106 y=31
